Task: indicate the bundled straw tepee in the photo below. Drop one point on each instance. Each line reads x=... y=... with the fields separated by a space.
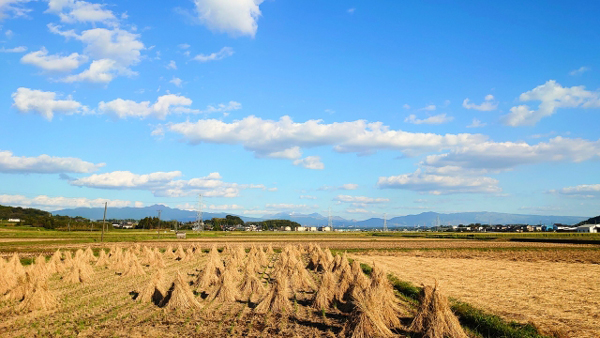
x=38 y=297
x=365 y=320
x=276 y=300
x=179 y=296
x=434 y=317
x=326 y=293
x=154 y=290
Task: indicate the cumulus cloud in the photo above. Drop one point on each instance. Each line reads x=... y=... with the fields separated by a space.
x=235 y=17
x=308 y=197
x=220 y=55
x=165 y=184
x=359 y=199
x=44 y=164
x=583 y=190
x=285 y=138
x=56 y=203
x=357 y=211
x=45 y=103
x=73 y=11
x=488 y=104
x=551 y=96
x=171 y=65
x=440 y=184
x=476 y=124
x=114 y=51
x=310 y=162
x=495 y=156
x=54 y=63
x=19 y=49
x=436 y=119
x=13 y=7
x=164 y=105
x=176 y=81
x=100 y=71
x=225 y=207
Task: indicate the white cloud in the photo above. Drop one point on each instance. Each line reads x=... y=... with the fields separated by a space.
x=19 y=49
x=54 y=63
x=100 y=71
x=288 y=207
x=15 y=7
x=440 y=184
x=310 y=162
x=357 y=211
x=235 y=17
x=360 y=199
x=183 y=46
x=265 y=138
x=351 y=10
x=45 y=103
x=176 y=81
x=551 y=96
x=406 y=106
x=9 y=34
x=44 y=164
x=56 y=203
x=347 y=186
x=583 y=190
x=487 y=105
x=225 y=207
x=220 y=55
x=164 y=105
x=436 y=119
x=222 y=107
x=308 y=197
x=430 y=107
x=579 y=71
x=73 y=11
x=118 y=48
x=165 y=184
x=172 y=65
x=495 y=156
x=476 y=124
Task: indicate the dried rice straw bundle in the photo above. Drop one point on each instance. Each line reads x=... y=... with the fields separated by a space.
x=135 y=268
x=360 y=282
x=326 y=293
x=251 y=288
x=21 y=288
x=226 y=288
x=79 y=254
x=89 y=255
x=276 y=300
x=270 y=250
x=8 y=279
x=209 y=277
x=434 y=317
x=169 y=253
x=15 y=263
x=179 y=253
x=154 y=290
x=38 y=297
x=179 y=296
x=365 y=321
x=78 y=273
x=383 y=292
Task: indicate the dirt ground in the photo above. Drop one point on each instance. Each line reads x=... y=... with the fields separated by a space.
x=557 y=297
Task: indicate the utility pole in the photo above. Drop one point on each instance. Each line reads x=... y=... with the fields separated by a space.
x=385 y=229
x=103 y=222
x=329 y=221
x=69 y=226
x=199 y=220
x=91 y=225
x=158 y=230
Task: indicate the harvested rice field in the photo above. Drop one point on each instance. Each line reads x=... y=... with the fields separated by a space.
x=561 y=298
x=265 y=286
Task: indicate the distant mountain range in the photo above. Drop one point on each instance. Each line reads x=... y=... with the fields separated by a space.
x=426 y=219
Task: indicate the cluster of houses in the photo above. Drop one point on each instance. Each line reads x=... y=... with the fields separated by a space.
x=306 y=228
x=586 y=228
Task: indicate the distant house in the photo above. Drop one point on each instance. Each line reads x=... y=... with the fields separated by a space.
x=325 y=229
x=589 y=228
x=181 y=235
x=300 y=228
x=14 y=220
x=312 y=229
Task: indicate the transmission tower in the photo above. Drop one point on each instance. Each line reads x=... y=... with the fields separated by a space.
x=199 y=221
x=330 y=222
x=385 y=229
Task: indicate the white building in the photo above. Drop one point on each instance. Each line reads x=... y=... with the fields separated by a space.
x=325 y=229
x=589 y=228
x=300 y=228
x=312 y=229
x=14 y=220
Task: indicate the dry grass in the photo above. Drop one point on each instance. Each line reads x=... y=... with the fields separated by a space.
x=557 y=297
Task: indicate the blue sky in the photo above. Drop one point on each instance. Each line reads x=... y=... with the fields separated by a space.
x=284 y=106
